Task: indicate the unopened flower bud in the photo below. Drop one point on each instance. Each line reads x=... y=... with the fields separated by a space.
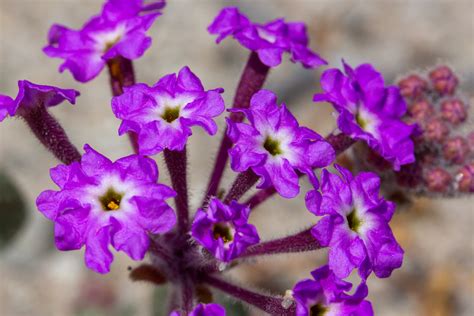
x=453 y=110
x=421 y=110
x=465 y=178
x=444 y=80
x=412 y=86
x=435 y=130
x=437 y=180
x=455 y=149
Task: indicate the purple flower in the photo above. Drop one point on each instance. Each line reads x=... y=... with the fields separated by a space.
x=274 y=145
x=102 y=202
x=325 y=295
x=31 y=95
x=162 y=115
x=205 y=310
x=369 y=111
x=269 y=40
x=5 y=103
x=119 y=30
x=355 y=224
x=224 y=229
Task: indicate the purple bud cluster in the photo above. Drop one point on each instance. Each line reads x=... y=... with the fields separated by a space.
x=443 y=140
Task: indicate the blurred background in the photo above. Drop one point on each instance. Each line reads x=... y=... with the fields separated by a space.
x=397 y=36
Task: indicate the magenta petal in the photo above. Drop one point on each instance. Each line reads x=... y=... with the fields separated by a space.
x=138 y=168
x=323 y=230
x=156 y=216
x=92 y=162
x=98 y=256
x=270 y=56
x=129 y=238
x=188 y=81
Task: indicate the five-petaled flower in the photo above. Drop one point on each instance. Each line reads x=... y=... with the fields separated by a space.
x=275 y=146
x=355 y=224
x=224 y=229
x=327 y=295
x=31 y=95
x=162 y=115
x=120 y=30
x=369 y=111
x=269 y=40
x=101 y=202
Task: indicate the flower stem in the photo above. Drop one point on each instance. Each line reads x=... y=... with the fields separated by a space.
x=339 y=142
x=244 y=182
x=51 y=134
x=269 y=304
x=176 y=162
x=122 y=75
x=187 y=294
x=300 y=242
x=252 y=80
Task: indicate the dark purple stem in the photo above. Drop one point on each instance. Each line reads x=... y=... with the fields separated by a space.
x=51 y=134
x=176 y=163
x=339 y=142
x=187 y=294
x=269 y=304
x=122 y=75
x=252 y=80
x=244 y=182
x=301 y=242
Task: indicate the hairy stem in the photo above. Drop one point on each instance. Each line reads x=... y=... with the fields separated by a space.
x=269 y=304
x=122 y=75
x=339 y=142
x=176 y=163
x=187 y=294
x=252 y=80
x=300 y=242
x=51 y=134
x=244 y=182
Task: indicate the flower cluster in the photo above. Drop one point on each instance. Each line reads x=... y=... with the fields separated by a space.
x=326 y=295
x=32 y=96
x=119 y=30
x=162 y=115
x=102 y=203
x=275 y=147
x=355 y=224
x=369 y=111
x=224 y=229
x=269 y=40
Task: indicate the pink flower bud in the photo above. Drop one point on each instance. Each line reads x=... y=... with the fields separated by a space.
x=444 y=80
x=421 y=110
x=454 y=111
x=412 y=86
x=465 y=178
x=455 y=149
x=437 y=180
x=435 y=130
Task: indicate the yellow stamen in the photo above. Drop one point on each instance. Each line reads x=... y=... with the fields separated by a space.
x=113 y=206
